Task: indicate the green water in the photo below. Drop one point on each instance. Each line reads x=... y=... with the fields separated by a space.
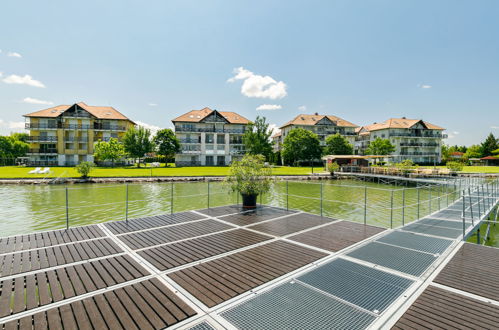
x=29 y=208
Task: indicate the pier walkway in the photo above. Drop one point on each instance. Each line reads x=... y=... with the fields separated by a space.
x=270 y=268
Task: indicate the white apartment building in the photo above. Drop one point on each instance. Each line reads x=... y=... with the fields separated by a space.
x=209 y=137
x=322 y=125
x=414 y=139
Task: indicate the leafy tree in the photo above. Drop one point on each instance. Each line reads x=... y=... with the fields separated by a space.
x=380 y=147
x=475 y=151
x=256 y=138
x=166 y=143
x=249 y=176
x=11 y=147
x=445 y=150
x=112 y=150
x=20 y=136
x=137 y=142
x=454 y=166
x=489 y=145
x=333 y=167
x=84 y=169
x=337 y=144
x=300 y=145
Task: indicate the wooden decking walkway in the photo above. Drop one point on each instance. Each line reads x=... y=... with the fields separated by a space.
x=226 y=268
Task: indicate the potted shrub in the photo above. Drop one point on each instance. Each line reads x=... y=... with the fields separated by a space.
x=84 y=169
x=249 y=177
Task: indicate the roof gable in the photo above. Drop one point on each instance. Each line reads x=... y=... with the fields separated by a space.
x=309 y=120
x=197 y=116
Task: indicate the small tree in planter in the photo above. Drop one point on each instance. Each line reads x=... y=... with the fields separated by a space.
x=333 y=167
x=249 y=177
x=84 y=169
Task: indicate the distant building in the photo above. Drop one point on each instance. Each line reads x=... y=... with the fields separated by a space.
x=64 y=135
x=414 y=139
x=209 y=137
x=456 y=155
x=322 y=125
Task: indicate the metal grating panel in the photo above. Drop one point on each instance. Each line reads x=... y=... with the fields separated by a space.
x=294 y=306
x=433 y=230
x=444 y=223
x=366 y=287
x=404 y=260
x=202 y=326
x=416 y=242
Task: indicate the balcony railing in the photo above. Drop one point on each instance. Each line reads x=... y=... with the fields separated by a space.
x=96 y=126
x=42 y=151
x=189 y=141
x=76 y=139
x=101 y=127
x=424 y=135
x=43 y=163
x=190 y=151
x=418 y=144
x=105 y=139
x=334 y=132
x=419 y=154
x=237 y=152
x=41 y=126
x=208 y=130
x=42 y=139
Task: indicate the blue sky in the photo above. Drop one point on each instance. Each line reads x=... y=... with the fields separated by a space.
x=364 y=61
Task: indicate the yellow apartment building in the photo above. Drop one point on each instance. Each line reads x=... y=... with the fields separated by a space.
x=64 y=135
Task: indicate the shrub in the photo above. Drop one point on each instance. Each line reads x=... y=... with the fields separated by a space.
x=249 y=176
x=406 y=166
x=84 y=169
x=333 y=167
x=454 y=166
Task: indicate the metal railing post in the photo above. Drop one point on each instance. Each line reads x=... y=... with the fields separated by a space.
x=208 y=193
x=447 y=194
x=365 y=205
x=126 y=205
x=403 y=206
x=418 y=200
x=391 y=210
x=287 y=195
x=439 y=196
x=171 y=198
x=463 y=216
x=321 y=195
x=429 y=200
x=479 y=207
x=471 y=205
x=67 y=209
x=478 y=236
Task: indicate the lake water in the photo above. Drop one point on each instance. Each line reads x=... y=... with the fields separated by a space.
x=29 y=208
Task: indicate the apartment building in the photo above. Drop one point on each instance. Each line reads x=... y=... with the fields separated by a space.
x=322 y=125
x=64 y=135
x=414 y=139
x=209 y=137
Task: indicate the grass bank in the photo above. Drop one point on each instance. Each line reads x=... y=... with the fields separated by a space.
x=474 y=169
x=14 y=172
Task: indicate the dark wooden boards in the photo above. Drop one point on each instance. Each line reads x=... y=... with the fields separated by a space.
x=27 y=292
x=181 y=253
x=121 y=227
x=258 y=215
x=144 y=305
x=291 y=224
x=216 y=281
x=337 y=236
x=48 y=238
x=26 y=261
x=441 y=309
x=173 y=233
x=222 y=210
x=475 y=269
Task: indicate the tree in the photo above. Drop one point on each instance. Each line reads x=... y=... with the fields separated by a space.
x=256 y=138
x=475 y=151
x=137 y=142
x=337 y=144
x=489 y=145
x=11 y=147
x=300 y=145
x=84 y=169
x=112 y=150
x=380 y=147
x=20 y=136
x=166 y=143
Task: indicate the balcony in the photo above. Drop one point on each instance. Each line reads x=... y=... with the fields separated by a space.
x=196 y=141
x=42 y=139
x=100 y=127
x=424 y=135
x=418 y=144
x=334 y=132
x=208 y=130
x=237 y=152
x=76 y=139
x=41 y=126
x=43 y=163
x=419 y=153
x=42 y=151
x=191 y=152
x=105 y=139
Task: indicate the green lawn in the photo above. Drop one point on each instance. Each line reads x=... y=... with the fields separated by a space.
x=12 y=172
x=474 y=169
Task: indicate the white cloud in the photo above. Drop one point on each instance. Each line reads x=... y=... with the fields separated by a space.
x=269 y=107
x=302 y=108
x=16 y=124
x=31 y=100
x=152 y=104
x=25 y=80
x=455 y=133
x=259 y=86
x=273 y=129
x=423 y=86
x=14 y=54
x=150 y=127
x=12 y=126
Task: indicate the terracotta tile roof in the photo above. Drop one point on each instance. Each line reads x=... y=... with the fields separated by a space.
x=195 y=116
x=309 y=120
x=276 y=135
x=457 y=153
x=400 y=123
x=96 y=111
x=490 y=158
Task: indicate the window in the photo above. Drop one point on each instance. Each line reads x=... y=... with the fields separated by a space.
x=220 y=147
x=209 y=160
x=220 y=139
x=209 y=138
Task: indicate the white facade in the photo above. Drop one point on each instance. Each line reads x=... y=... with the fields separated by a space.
x=417 y=143
x=213 y=141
